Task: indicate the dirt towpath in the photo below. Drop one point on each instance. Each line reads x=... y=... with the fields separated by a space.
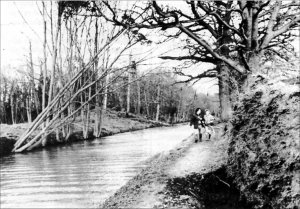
x=147 y=189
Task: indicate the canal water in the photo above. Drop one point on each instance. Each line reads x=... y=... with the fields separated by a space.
x=83 y=174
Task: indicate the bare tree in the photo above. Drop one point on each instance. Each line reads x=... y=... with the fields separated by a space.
x=13 y=103
x=233 y=35
x=157 y=103
x=55 y=47
x=45 y=57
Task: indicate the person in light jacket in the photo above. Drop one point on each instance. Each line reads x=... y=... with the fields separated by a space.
x=209 y=122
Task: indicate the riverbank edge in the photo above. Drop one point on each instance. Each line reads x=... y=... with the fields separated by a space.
x=148 y=189
x=132 y=192
x=7 y=143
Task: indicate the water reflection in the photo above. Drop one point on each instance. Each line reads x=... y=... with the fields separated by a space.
x=82 y=174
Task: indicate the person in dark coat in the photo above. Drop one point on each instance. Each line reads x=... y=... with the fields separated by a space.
x=197 y=120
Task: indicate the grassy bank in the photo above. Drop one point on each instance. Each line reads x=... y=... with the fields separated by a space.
x=113 y=123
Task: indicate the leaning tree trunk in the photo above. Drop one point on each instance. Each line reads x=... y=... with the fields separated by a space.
x=27 y=141
x=86 y=120
x=53 y=65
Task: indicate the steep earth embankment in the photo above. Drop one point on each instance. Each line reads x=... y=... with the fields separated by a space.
x=264 y=148
x=113 y=123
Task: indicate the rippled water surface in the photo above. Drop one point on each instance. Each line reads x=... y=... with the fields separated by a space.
x=82 y=174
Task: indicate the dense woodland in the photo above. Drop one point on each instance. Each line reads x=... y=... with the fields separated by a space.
x=22 y=101
x=92 y=60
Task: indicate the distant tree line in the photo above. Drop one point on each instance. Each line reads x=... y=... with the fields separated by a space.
x=156 y=96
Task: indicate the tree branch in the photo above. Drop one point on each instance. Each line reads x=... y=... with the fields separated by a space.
x=206 y=59
x=269 y=32
x=202 y=42
x=210 y=73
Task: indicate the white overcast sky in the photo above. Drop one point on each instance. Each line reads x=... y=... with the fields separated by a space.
x=16 y=34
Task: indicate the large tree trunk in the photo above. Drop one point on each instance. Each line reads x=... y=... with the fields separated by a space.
x=223 y=69
x=224 y=92
x=254 y=62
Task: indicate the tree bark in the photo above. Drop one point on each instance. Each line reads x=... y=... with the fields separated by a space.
x=12 y=104
x=146 y=100
x=224 y=92
x=86 y=121
x=138 y=109
x=28 y=109
x=105 y=96
x=128 y=93
x=158 y=103
x=97 y=125
x=45 y=58
x=55 y=53
x=121 y=100
x=54 y=56
x=104 y=106
x=4 y=101
x=31 y=86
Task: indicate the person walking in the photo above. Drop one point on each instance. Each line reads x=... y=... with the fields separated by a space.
x=209 y=121
x=197 y=120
